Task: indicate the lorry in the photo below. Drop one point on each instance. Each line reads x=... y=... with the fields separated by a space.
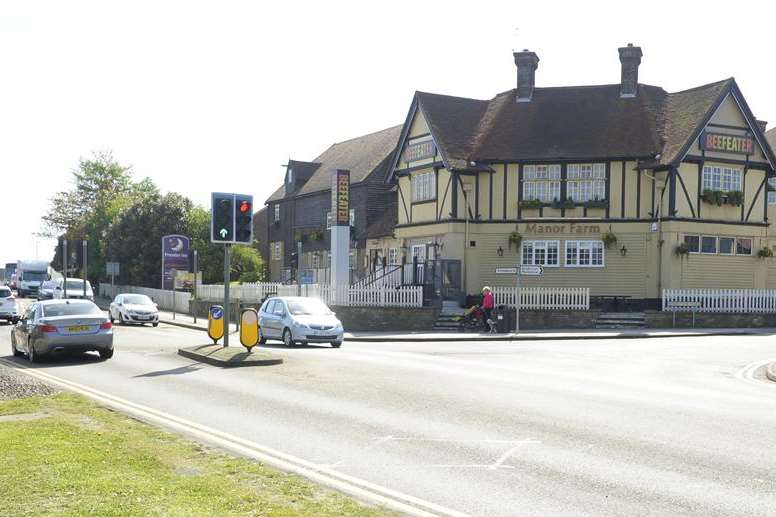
x=29 y=275
x=10 y=269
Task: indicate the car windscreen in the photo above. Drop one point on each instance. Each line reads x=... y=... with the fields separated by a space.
x=34 y=276
x=78 y=284
x=137 y=299
x=48 y=285
x=5 y=292
x=307 y=307
x=70 y=309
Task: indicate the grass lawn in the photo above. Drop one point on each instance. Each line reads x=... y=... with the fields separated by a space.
x=64 y=455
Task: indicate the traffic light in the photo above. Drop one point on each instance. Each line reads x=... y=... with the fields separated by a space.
x=294 y=262
x=243 y=217
x=222 y=217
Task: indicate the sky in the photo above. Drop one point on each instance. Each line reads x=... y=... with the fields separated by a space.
x=216 y=96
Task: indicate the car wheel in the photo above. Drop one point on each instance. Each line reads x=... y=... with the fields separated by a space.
x=287 y=338
x=262 y=341
x=31 y=355
x=121 y=319
x=110 y=315
x=336 y=344
x=16 y=352
x=106 y=354
x=155 y=324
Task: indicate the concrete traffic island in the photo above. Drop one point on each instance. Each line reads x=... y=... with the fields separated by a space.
x=770 y=372
x=229 y=357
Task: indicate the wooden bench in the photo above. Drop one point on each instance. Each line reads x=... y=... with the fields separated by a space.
x=675 y=306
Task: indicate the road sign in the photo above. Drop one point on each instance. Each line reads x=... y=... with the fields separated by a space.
x=215 y=323
x=531 y=270
x=506 y=270
x=231 y=218
x=112 y=268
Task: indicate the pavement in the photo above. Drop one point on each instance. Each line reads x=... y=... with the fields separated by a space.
x=596 y=427
x=186 y=321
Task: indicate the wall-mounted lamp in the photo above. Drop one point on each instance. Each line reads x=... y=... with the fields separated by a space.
x=623 y=250
x=500 y=251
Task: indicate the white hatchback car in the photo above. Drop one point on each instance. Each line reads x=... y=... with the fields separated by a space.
x=8 y=310
x=295 y=319
x=134 y=308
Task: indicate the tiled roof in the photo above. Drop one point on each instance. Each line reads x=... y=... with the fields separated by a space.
x=579 y=122
x=361 y=156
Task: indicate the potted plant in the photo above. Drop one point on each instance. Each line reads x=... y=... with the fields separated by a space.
x=712 y=197
x=531 y=203
x=566 y=203
x=682 y=250
x=765 y=252
x=734 y=197
x=609 y=238
x=597 y=203
x=515 y=238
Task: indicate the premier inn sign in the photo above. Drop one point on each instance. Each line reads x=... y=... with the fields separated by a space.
x=727 y=143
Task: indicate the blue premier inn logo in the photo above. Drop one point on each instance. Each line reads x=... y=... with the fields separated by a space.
x=217 y=313
x=175 y=257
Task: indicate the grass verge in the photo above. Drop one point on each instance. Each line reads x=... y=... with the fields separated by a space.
x=64 y=455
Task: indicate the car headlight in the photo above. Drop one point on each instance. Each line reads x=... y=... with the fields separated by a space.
x=300 y=325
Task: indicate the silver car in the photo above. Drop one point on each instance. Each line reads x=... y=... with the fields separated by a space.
x=53 y=326
x=294 y=319
x=46 y=290
x=134 y=308
x=8 y=311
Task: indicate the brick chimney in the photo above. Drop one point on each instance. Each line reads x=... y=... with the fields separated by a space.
x=526 y=62
x=630 y=58
x=763 y=125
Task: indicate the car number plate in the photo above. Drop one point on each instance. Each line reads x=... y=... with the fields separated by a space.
x=78 y=328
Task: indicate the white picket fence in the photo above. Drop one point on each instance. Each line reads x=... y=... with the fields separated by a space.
x=164 y=299
x=545 y=298
x=369 y=296
x=720 y=300
x=248 y=292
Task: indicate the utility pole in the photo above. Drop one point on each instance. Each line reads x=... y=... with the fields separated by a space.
x=227 y=278
x=83 y=249
x=196 y=270
x=64 y=266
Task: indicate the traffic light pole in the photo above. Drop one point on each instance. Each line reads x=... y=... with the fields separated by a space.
x=196 y=269
x=83 y=249
x=64 y=266
x=227 y=269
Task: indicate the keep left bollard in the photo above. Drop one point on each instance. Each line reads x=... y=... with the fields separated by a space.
x=249 y=328
x=215 y=323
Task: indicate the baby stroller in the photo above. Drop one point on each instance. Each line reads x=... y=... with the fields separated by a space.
x=472 y=320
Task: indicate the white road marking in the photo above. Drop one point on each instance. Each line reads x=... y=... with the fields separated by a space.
x=746 y=374
x=504 y=457
x=356 y=487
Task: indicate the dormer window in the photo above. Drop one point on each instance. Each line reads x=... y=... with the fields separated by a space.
x=290 y=175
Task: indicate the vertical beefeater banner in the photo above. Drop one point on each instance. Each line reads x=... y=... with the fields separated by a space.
x=175 y=256
x=340 y=198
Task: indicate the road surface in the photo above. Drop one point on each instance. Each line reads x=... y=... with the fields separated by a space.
x=610 y=427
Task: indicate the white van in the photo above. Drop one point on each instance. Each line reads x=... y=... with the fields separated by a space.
x=75 y=289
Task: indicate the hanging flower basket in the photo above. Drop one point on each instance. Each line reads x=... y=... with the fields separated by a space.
x=609 y=239
x=765 y=252
x=682 y=250
x=515 y=238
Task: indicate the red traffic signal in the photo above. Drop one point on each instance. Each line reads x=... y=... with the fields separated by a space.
x=245 y=207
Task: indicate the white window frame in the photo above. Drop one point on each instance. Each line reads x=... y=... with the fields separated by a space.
x=277 y=212
x=290 y=175
x=684 y=240
x=316 y=261
x=541 y=182
x=732 y=247
x=587 y=245
x=771 y=197
x=751 y=246
x=421 y=256
x=586 y=182
x=393 y=256
x=716 y=245
x=277 y=251
x=724 y=179
x=540 y=244
x=423 y=185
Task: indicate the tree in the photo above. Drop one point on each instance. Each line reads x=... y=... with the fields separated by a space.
x=247 y=265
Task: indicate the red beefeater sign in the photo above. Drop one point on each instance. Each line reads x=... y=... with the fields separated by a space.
x=340 y=198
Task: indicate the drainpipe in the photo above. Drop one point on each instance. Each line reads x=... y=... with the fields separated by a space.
x=466 y=189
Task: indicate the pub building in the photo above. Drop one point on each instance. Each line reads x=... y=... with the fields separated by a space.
x=623 y=188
